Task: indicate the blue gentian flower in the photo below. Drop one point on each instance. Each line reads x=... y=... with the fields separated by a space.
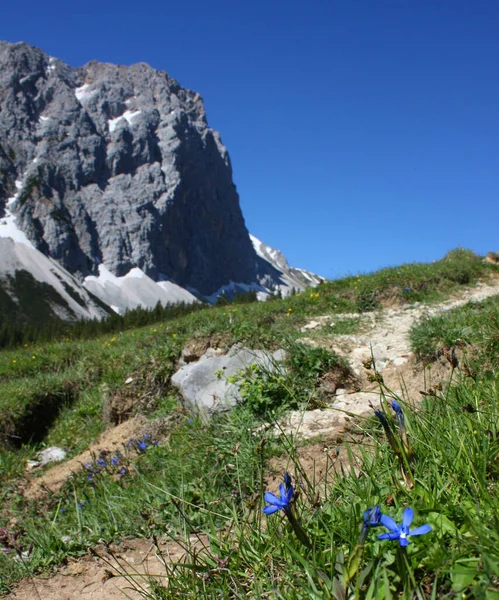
x=287 y=480
x=381 y=416
x=281 y=503
x=115 y=460
x=101 y=462
x=372 y=517
x=388 y=430
x=403 y=433
x=141 y=445
x=402 y=532
x=396 y=407
x=400 y=414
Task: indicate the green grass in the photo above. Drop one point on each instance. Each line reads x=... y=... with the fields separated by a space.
x=416 y=282
x=206 y=476
x=180 y=484
x=455 y=441
x=451 y=483
x=472 y=329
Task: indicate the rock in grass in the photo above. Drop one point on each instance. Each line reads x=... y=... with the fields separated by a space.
x=204 y=386
x=51 y=454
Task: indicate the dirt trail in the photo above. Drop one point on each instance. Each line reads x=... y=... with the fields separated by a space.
x=386 y=334
x=110 y=440
x=103 y=577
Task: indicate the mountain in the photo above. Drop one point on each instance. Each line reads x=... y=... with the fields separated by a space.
x=275 y=273
x=35 y=289
x=114 y=173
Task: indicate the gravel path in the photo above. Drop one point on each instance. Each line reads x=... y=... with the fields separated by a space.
x=386 y=334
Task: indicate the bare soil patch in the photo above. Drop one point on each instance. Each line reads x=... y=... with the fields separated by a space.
x=111 y=574
x=110 y=440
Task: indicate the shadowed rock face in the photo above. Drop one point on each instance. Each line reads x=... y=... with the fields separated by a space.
x=117 y=165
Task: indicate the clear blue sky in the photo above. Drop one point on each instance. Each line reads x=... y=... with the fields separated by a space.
x=362 y=133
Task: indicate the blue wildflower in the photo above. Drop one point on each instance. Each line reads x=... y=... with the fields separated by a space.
x=381 y=417
x=141 y=445
x=403 y=433
x=101 y=462
x=115 y=460
x=399 y=413
x=372 y=517
x=81 y=504
x=396 y=407
x=281 y=503
x=402 y=532
x=388 y=430
x=122 y=471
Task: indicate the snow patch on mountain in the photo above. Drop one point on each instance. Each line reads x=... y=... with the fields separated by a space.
x=19 y=256
x=84 y=92
x=128 y=115
x=134 y=290
x=8 y=227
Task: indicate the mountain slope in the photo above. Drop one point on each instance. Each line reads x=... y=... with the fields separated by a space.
x=114 y=169
x=34 y=288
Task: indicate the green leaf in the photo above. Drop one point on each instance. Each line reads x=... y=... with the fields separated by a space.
x=354 y=563
x=441 y=524
x=386 y=585
x=463 y=573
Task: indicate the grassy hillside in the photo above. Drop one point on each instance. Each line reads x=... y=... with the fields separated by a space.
x=210 y=477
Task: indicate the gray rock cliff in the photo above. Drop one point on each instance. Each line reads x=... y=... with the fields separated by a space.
x=117 y=165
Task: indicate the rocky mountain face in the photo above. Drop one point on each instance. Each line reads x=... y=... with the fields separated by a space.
x=115 y=167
